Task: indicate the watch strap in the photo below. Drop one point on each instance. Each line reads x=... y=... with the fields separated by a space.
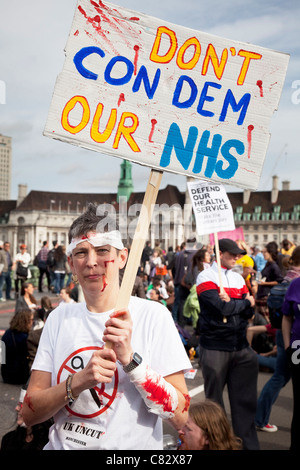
x=135 y=362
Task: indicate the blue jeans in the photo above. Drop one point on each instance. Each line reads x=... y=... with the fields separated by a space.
x=59 y=282
x=5 y=277
x=271 y=390
x=176 y=303
x=269 y=362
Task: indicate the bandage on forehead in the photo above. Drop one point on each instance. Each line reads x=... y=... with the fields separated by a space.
x=112 y=238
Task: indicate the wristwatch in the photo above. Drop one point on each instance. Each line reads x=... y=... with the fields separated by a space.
x=135 y=361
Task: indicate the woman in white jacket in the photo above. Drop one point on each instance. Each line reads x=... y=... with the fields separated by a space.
x=22 y=259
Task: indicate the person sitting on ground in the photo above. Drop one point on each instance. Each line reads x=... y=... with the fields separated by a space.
x=15 y=368
x=208 y=428
x=24 y=437
x=65 y=293
x=266 y=359
x=33 y=338
x=155 y=295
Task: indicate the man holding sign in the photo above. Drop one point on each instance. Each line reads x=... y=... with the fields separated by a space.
x=225 y=355
x=108 y=377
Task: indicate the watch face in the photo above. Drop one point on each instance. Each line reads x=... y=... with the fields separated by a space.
x=137 y=358
x=136 y=361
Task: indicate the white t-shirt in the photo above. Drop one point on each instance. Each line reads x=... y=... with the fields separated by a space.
x=71 y=334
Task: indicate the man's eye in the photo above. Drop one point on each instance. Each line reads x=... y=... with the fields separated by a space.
x=80 y=253
x=102 y=250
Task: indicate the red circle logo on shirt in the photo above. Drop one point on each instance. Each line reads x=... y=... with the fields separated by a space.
x=92 y=402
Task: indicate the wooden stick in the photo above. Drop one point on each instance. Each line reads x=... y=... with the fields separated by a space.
x=138 y=242
x=217 y=250
x=218 y=261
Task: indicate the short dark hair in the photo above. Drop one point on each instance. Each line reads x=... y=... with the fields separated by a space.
x=90 y=221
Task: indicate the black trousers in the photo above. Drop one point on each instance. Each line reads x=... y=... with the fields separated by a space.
x=42 y=272
x=295 y=373
x=238 y=370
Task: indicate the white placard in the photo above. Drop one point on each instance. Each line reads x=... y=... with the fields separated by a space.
x=166 y=96
x=212 y=208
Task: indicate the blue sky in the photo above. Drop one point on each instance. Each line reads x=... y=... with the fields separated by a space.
x=33 y=35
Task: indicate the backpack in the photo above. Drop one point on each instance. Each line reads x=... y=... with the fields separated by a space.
x=188 y=279
x=50 y=258
x=274 y=301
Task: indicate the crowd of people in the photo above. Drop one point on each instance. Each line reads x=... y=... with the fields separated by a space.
x=223 y=328
x=52 y=264
x=220 y=311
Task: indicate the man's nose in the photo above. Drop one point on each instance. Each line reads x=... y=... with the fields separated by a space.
x=91 y=258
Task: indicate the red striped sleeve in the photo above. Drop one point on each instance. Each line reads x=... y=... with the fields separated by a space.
x=204 y=286
x=233 y=292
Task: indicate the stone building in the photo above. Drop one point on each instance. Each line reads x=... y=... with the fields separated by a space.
x=268 y=215
x=5 y=167
x=44 y=215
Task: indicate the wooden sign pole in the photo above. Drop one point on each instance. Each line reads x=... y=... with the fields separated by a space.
x=138 y=242
x=218 y=261
x=219 y=267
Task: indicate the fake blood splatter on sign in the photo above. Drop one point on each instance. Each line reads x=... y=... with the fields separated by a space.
x=136 y=56
x=259 y=84
x=249 y=138
x=106 y=19
x=121 y=98
x=94 y=21
x=153 y=123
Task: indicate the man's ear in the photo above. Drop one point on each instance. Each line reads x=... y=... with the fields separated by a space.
x=70 y=262
x=123 y=255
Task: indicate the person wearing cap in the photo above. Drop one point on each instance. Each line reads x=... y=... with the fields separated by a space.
x=225 y=355
x=107 y=377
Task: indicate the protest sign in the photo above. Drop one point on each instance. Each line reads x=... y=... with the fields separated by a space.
x=213 y=212
x=212 y=208
x=166 y=96
x=236 y=234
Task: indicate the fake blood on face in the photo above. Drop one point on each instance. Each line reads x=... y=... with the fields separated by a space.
x=104 y=281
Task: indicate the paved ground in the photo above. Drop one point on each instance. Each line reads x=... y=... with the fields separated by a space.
x=281 y=412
